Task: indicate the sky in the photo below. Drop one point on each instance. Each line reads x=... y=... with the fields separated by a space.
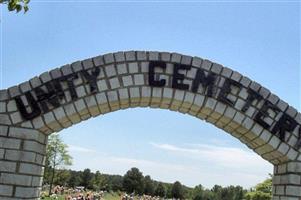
x=258 y=39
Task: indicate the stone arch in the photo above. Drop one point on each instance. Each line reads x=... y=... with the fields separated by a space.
x=55 y=100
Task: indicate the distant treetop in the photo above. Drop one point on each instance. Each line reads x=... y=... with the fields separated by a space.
x=16 y=5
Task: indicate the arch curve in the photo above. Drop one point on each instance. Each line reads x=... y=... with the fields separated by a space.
x=57 y=99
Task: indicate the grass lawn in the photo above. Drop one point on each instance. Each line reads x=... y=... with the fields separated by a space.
x=110 y=196
x=49 y=198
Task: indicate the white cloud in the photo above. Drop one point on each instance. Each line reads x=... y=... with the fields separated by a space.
x=225 y=165
x=225 y=156
x=191 y=164
x=89 y=158
x=75 y=148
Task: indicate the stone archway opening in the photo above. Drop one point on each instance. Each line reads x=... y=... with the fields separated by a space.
x=182 y=148
x=65 y=96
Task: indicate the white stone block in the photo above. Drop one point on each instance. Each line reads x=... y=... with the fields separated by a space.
x=102 y=85
x=32 y=169
x=3 y=130
x=196 y=62
x=199 y=100
x=139 y=79
x=130 y=55
x=27 y=192
x=274 y=142
x=157 y=92
x=101 y=98
x=206 y=64
x=134 y=92
x=28 y=134
x=11 y=106
x=141 y=55
x=6 y=166
x=4 y=119
x=153 y=55
x=133 y=67
x=16 y=117
x=108 y=58
x=112 y=96
x=119 y=57
x=146 y=91
x=110 y=70
x=1 y=153
x=127 y=80
x=98 y=61
x=283 y=148
x=144 y=67
x=2 y=107
x=186 y=60
x=293 y=190
x=114 y=83
x=175 y=57
x=179 y=95
x=16 y=155
x=122 y=68
x=123 y=93
x=80 y=91
x=81 y=107
x=6 y=190
x=15 y=179
x=60 y=114
x=165 y=56
x=34 y=146
x=189 y=97
x=9 y=143
x=49 y=117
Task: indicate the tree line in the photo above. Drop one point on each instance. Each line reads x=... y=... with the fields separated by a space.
x=135 y=182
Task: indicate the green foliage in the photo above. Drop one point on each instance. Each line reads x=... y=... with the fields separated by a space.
x=160 y=190
x=74 y=180
x=98 y=182
x=133 y=181
x=16 y=5
x=262 y=191
x=149 y=187
x=265 y=186
x=87 y=179
x=258 y=195
x=57 y=157
x=177 y=190
x=57 y=152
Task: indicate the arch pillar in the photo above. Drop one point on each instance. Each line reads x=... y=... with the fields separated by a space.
x=287 y=181
x=22 y=157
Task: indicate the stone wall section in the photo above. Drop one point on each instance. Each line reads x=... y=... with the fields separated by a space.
x=123 y=83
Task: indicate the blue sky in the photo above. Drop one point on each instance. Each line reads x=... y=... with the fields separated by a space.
x=260 y=40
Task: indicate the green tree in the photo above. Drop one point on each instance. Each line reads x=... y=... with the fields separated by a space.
x=75 y=179
x=61 y=177
x=217 y=192
x=16 y=5
x=87 y=177
x=133 y=181
x=57 y=157
x=149 y=187
x=99 y=182
x=177 y=190
x=262 y=191
x=198 y=192
x=160 y=190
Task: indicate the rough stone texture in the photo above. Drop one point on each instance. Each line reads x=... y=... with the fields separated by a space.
x=123 y=83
